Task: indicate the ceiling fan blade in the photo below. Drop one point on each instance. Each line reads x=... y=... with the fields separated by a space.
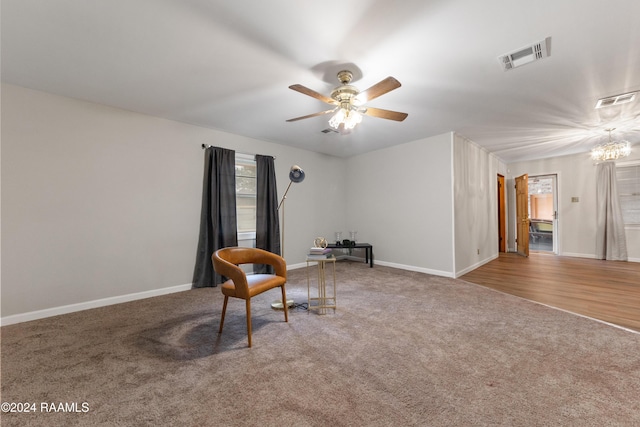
x=311 y=115
x=380 y=88
x=312 y=93
x=386 y=114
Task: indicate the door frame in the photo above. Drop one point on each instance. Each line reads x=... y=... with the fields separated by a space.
x=554 y=178
x=502 y=215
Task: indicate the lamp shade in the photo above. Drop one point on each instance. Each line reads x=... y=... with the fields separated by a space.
x=296 y=174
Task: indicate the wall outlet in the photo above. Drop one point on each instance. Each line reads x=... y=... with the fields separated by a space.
x=478 y=251
x=575 y=199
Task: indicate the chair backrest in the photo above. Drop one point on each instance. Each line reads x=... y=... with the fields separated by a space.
x=226 y=262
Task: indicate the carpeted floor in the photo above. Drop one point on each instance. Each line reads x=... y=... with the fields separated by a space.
x=402 y=349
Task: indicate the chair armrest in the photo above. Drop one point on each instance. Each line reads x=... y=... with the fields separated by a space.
x=276 y=261
x=227 y=260
x=229 y=270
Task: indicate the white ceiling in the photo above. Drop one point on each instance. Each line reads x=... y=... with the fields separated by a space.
x=227 y=65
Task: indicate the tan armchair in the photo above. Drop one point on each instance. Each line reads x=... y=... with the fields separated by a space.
x=226 y=262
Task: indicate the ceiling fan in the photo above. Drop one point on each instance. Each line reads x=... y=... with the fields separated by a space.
x=349 y=103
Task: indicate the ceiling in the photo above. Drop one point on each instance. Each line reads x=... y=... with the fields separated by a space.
x=228 y=65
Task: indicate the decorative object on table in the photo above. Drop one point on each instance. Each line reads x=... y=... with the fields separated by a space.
x=353 y=234
x=338 y=237
x=319 y=249
x=296 y=174
x=320 y=242
x=349 y=245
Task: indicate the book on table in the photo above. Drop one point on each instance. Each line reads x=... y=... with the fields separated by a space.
x=319 y=256
x=319 y=251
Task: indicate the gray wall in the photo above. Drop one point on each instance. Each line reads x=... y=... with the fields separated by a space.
x=400 y=198
x=99 y=202
x=475 y=204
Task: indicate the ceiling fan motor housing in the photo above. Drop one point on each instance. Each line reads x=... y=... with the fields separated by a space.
x=345 y=76
x=344 y=94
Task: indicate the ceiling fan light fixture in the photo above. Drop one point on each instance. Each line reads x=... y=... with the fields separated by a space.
x=348 y=118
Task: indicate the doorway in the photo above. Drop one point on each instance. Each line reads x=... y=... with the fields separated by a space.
x=543 y=211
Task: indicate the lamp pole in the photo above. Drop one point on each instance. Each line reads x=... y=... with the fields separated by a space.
x=296 y=174
x=279 y=205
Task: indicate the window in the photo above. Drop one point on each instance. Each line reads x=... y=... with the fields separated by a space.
x=628 y=179
x=246 y=189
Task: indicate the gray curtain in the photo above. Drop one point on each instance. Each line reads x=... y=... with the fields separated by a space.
x=611 y=243
x=218 y=226
x=267 y=219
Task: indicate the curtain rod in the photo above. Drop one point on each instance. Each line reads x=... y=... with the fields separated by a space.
x=205 y=146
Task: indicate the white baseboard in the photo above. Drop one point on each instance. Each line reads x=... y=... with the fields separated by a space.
x=578 y=255
x=414 y=268
x=71 y=308
x=592 y=256
x=384 y=263
x=476 y=265
x=296 y=266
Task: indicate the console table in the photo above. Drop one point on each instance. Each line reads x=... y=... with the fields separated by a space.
x=368 y=250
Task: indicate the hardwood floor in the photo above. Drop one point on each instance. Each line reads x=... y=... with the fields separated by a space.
x=604 y=290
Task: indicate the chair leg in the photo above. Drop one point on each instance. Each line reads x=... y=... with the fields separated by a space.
x=249 y=320
x=284 y=300
x=224 y=310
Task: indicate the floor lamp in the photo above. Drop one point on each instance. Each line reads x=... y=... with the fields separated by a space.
x=296 y=174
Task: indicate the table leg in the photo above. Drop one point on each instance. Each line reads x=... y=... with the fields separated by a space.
x=308 y=288
x=322 y=289
x=322 y=299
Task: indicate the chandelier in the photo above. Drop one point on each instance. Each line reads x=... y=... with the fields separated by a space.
x=611 y=150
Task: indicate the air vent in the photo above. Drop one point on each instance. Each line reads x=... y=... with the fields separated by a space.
x=526 y=55
x=616 y=100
